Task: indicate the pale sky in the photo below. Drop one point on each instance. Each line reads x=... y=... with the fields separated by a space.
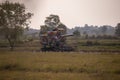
x=74 y=12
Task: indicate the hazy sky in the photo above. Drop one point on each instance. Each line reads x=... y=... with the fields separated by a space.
x=74 y=12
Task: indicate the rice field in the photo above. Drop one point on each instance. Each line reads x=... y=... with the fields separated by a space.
x=59 y=66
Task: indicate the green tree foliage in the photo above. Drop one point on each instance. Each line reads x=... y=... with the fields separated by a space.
x=104 y=29
x=52 y=22
x=13 y=20
x=76 y=33
x=117 y=30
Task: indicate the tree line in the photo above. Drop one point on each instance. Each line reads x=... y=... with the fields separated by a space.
x=14 y=20
x=95 y=31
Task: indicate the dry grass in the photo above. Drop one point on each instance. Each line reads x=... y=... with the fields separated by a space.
x=59 y=66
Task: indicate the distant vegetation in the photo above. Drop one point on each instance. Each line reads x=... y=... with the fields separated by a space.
x=94 y=30
x=14 y=30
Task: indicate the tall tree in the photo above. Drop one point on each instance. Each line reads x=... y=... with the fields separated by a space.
x=53 y=21
x=117 y=30
x=13 y=20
